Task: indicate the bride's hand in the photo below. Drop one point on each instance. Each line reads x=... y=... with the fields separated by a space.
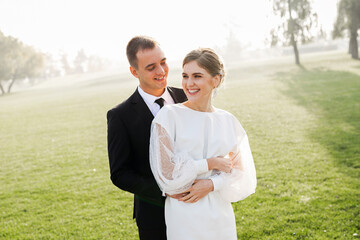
x=236 y=161
x=220 y=163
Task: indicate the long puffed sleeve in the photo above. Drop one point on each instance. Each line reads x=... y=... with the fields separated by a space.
x=241 y=181
x=174 y=172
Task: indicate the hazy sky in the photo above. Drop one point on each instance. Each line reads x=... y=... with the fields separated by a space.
x=104 y=27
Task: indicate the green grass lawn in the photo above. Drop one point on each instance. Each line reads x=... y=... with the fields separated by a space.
x=304 y=131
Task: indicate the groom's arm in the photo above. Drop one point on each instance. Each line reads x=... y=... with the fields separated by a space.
x=123 y=173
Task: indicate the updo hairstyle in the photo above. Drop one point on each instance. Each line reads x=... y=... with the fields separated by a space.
x=206 y=58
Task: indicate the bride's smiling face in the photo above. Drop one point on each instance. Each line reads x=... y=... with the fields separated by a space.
x=198 y=84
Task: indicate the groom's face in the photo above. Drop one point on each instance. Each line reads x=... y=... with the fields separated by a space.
x=152 y=70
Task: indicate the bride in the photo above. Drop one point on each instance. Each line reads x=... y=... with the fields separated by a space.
x=200 y=156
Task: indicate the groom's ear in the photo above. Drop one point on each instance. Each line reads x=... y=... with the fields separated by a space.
x=134 y=72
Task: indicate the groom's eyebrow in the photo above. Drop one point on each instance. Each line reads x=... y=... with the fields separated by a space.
x=152 y=64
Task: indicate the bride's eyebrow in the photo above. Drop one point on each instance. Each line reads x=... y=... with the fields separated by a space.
x=196 y=73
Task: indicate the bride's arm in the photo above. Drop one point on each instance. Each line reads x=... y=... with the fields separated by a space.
x=174 y=173
x=219 y=163
x=203 y=187
x=241 y=182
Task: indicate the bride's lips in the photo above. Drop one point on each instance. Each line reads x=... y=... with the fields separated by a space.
x=193 y=91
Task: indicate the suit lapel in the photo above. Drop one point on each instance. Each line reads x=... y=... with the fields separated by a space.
x=140 y=107
x=175 y=97
x=172 y=94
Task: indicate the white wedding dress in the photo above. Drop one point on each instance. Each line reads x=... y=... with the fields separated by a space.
x=181 y=141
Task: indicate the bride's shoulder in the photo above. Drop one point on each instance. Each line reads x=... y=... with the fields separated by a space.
x=170 y=108
x=224 y=113
x=174 y=107
x=227 y=115
x=167 y=111
x=168 y=117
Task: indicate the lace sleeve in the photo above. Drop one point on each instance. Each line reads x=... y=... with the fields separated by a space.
x=174 y=172
x=241 y=182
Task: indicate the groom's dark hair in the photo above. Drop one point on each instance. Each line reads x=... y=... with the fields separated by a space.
x=136 y=44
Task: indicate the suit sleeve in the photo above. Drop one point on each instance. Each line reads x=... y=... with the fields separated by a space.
x=120 y=158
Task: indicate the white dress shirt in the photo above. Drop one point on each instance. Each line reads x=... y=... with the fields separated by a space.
x=150 y=100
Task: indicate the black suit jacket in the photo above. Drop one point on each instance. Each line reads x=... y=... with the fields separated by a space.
x=128 y=149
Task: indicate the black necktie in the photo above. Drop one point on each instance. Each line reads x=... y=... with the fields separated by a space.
x=160 y=101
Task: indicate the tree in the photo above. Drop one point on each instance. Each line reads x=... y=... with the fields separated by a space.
x=28 y=64
x=51 y=67
x=65 y=64
x=233 y=47
x=18 y=61
x=79 y=62
x=298 y=20
x=95 y=64
x=348 y=18
x=6 y=65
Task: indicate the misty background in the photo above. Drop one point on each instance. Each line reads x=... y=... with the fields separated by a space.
x=91 y=36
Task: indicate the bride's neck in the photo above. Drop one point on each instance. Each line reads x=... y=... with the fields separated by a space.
x=201 y=107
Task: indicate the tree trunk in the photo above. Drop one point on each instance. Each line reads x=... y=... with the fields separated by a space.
x=11 y=84
x=291 y=25
x=296 y=51
x=353 y=45
x=350 y=46
x=2 y=89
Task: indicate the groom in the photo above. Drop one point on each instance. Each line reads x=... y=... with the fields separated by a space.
x=129 y=134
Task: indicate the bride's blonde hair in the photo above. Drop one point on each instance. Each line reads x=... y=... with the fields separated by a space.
x=207 y=59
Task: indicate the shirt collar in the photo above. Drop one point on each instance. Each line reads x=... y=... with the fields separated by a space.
x=150 y=99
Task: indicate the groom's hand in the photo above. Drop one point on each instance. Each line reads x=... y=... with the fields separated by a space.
x=198 y=190
x=178 y=195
